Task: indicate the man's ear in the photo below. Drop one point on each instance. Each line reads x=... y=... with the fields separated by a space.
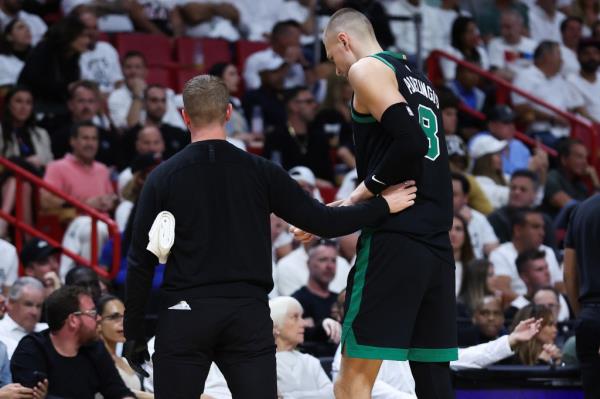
x=228 y=112
x=186 y=118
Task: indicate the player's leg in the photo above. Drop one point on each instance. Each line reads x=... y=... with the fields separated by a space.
x=356 y=378
x=245 y=351
x=432 y=380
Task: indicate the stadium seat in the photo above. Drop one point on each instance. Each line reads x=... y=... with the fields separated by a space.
x=156 y=48
x=214 y=51
x=434 y=71
x=160 y=76
x=328 y=194
x=182 y=76
x=245 y=48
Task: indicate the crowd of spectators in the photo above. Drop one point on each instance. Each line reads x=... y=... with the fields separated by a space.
x=89 y=121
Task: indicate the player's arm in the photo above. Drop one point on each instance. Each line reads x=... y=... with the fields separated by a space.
x=572 y=279
x=376 y=92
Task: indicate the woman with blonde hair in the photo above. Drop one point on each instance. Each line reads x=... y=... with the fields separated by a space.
x=541 y=348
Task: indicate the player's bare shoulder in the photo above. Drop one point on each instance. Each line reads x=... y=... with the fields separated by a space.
x=369 y=69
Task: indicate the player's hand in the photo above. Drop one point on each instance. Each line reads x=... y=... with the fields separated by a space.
x=400 y=196
x=301 y=235
x=136 y=353
x=333 y=329
x=524 y=331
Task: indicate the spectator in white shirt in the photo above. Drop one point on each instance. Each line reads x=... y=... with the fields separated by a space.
x=126 y=103
x=9 y=266
x=483 y=238
x=100 y=63
x=23 y=312
x=211 y=18
x=570 y=31
x=257 y=18
x=587 y=81
x=12 y=9
x=448 y=12
x=544 y=80
x=512 y=51
x=15 y=46
x=298 y=375
x=465 y=45
x=528 y=233
x=285 y=44
x=544 y=21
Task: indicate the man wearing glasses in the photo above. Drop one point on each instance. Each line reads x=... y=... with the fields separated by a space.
x=69 y=355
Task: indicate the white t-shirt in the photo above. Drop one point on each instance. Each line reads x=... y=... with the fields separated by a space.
x=106 y=23
x=216 y=27
x=570 y=63
x=446 y=19
x=555 y=90
x=294 y=77
x=481 y=232
x=120 y=101
x=543 y=27
x=348 y=185
x=590 y=92
x=300 y=375
x=513 y=57
x=10 y=68
x=257 y=18
x=102 y=66
x=496 y=193
x=122 y=214
x=458 y=273
x=292 y=272
x=36 y=25
x=504 y=257
x=404 y=32
x=9 y=266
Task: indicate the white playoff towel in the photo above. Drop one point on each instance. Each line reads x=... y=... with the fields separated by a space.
x=162 y=236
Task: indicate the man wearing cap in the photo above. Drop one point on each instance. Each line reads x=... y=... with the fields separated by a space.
x=587 y=81
x=40 y=260
x=23 y=312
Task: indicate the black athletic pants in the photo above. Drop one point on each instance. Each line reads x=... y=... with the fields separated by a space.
x=235 y=333
x=587 y=345
x=432 y=380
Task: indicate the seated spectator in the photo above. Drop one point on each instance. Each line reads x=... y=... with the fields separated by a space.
x=15 y=46
x=292 y=269
x=56 y=56
x=485 y=151
x=541 y=349
x=23 y=312
x=298 y=375
x=85 y=278
x=565 y=185
x=126 y=103
x=100 y=63
x=257 y=19
x=555 y=301
x=501 y=125
x=163 y=17
x=40 y=261
x=298 y=142
x=404 y=33
x=570 y=31
x=84 y=104
x=321 y=331
x=448 y=11
x=110 y=328
x=488 y=323
x=8 y=269
x=527 y=234
x=465 y=87
x=512 y=51
x=488 y=15
x=586 y=81
x=237 y=126
x=523 y=193
x=481 y=233
x=543 y=79
x=13 y=9
x=149 y=140
x=462 y=249
x=76 y=363
x=545 y=20
x=465 y=45
x=24 y=143
x=285 y=45
x=477 y=282
x=154 y=113
x=589 y=12
x=208 y=18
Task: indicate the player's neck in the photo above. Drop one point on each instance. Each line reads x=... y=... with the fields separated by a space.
x=208 y=132
x=368 y=49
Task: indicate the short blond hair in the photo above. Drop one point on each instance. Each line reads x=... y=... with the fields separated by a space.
x=349 y=20
x=205 y=100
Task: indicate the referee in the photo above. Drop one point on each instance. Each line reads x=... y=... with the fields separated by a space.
x=214 y=295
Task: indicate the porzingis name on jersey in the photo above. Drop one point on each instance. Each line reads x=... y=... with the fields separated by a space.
x=415 y=85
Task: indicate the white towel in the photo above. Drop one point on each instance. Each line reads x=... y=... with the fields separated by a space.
x=162 y=236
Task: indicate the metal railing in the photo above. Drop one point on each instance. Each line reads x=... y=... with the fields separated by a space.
x=21 y=175
x=578 y=125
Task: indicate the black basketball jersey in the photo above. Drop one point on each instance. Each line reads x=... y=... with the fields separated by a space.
x=430 y=218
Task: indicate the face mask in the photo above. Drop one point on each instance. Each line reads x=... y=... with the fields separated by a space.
x=590 y=66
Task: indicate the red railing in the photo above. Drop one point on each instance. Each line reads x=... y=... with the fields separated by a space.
x=580 y=127
x=22 y=175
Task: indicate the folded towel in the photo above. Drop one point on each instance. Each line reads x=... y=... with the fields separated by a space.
x=162 y=236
